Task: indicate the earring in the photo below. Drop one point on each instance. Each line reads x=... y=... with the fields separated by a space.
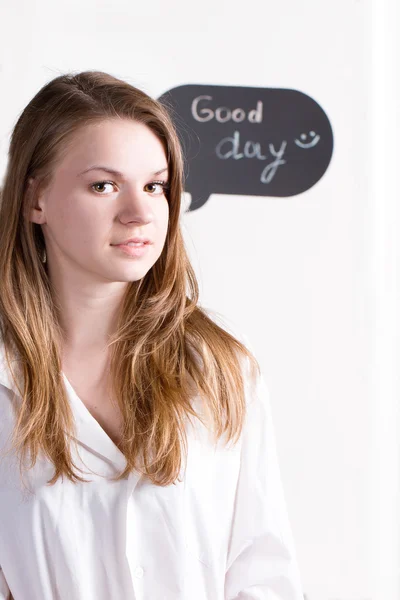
x=43 y=257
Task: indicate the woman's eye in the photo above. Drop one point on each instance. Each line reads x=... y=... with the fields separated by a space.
x=161 y=184
x=101 y=184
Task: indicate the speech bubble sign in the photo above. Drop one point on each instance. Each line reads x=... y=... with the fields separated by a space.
x=249 y=141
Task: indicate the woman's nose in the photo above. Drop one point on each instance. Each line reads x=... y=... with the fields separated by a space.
x=137 y=206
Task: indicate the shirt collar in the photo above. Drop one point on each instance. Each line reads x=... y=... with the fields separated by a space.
x=88 y=431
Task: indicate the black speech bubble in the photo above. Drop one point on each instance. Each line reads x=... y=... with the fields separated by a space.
x=250 y=141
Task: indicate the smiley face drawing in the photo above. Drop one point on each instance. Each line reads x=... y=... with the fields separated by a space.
x=303 y=144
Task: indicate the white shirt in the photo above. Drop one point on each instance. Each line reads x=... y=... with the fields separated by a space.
x=220 y=534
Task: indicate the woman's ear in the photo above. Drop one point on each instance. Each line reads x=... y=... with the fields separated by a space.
x=34 y=212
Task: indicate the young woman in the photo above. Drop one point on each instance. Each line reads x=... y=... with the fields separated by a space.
x=137 y=450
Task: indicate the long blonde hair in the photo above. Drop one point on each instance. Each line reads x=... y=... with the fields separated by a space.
x=165 y=349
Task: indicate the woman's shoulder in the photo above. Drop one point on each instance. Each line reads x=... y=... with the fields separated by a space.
x=9 y=393
x=251 y=370
x=6 y=378
x=230 y=326
x=7 y=413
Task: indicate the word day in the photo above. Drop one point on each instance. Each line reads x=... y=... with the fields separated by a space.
x=229 y=147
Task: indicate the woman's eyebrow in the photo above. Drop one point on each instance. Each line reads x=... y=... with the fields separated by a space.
x=115 y=172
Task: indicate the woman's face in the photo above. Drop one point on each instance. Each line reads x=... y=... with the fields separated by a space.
x=85 y=212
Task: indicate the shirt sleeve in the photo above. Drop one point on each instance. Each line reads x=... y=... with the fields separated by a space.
x=5 y=593
x=261 y=563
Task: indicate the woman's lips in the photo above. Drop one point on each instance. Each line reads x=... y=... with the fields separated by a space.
x=136 y=251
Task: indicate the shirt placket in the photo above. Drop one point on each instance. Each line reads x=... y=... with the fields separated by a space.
x=135 y=561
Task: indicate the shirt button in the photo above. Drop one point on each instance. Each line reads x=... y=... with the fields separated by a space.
x=138 y=572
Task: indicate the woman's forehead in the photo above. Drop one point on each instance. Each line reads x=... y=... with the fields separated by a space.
x=122 y=146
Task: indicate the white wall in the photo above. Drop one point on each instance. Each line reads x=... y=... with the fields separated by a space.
x=308 y=278
x=384 y=164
